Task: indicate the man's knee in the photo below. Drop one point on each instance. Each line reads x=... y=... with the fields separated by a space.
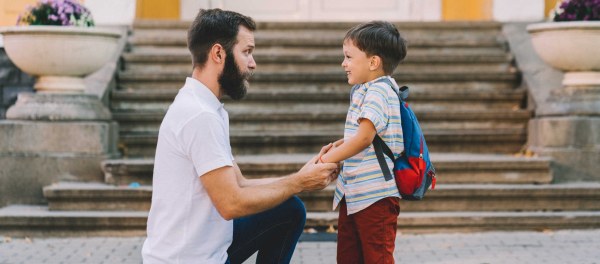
x=295 y=208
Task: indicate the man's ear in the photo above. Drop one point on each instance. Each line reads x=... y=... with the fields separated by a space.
x=217 y=54
x=375 y=63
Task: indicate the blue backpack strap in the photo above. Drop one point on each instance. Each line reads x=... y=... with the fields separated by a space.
x=402 y=94
x=380 y=147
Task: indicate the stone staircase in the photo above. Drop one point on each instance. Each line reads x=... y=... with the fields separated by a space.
x=464 y=89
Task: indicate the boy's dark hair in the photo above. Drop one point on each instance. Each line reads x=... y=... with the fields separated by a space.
x=213 y=26
x=379 y=38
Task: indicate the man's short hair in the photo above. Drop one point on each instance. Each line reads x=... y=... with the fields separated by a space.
x=213 y=26
x=379 y=38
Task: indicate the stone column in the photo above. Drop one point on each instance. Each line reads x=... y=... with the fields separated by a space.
x=53 y=137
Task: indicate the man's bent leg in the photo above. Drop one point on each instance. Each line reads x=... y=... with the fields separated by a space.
x=273 y=233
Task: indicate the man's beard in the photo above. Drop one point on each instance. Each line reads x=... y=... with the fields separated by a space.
x=233 y=82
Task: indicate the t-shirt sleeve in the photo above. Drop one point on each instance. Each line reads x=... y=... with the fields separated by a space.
x=375 y=107
x=205 y=142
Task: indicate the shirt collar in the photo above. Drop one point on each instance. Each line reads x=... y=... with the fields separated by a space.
x=371 y=82
x=203 y=93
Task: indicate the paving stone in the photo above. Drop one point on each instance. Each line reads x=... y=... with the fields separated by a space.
x=567 y=246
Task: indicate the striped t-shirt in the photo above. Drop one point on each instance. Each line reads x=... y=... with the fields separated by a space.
x=361 y=180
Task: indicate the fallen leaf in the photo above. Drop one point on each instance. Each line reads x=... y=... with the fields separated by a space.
x=331 y=229
x=310 y=230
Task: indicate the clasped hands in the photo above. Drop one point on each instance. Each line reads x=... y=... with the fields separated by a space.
x=316 y=175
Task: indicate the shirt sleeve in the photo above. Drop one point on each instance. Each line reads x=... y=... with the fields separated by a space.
x=375 y=107
x=205 y=142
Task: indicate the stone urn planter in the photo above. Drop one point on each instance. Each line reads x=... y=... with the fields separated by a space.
x=60 y=56
x=573 y=47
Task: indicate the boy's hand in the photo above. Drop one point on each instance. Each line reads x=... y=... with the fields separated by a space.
x=324 y=150
x=315 y=176
x=327 y=148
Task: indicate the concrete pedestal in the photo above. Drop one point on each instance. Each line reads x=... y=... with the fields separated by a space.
x=567 y=129
x=572 y=141
x=50 y=138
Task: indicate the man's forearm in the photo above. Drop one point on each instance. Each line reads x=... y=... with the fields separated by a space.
x=234 y=196
x=263 y=194
x=261 y=181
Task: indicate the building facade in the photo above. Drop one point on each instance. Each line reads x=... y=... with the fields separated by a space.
x=310 y=10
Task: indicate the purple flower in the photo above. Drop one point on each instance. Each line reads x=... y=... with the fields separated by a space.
x=57 y=12
x=575 y=10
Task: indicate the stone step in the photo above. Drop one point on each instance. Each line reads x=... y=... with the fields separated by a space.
x=330 y=38
x=69 y=196
x=281 y=55
x=180 y=69
x=416 y=94
x=451 y=168
x=450 y=222
x=487 y=197
x=321 y=102
x=38 y=221
x=287 y=54
x=269 y=119
x=157 y=39
x=312 y=71
x=460 y=26
x=166 y=39
x=337 y=75
x=30 y=221
x=342 y=87
x=267 y=142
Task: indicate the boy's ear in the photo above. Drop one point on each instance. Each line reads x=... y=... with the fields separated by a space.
x=375 y=63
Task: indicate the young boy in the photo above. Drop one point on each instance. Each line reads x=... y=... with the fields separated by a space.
x=369 y=205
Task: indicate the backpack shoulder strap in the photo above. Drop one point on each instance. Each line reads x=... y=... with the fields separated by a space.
x=380 y=149
x=403 y=91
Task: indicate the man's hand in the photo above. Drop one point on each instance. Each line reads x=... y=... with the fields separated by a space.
x=314 y=176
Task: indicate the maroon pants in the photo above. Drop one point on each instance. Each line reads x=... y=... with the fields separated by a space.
x=368 y=236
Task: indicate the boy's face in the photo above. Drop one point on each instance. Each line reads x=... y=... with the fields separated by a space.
x=356 y=64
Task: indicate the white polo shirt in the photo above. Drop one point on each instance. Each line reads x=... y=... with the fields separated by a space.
x=183 y=224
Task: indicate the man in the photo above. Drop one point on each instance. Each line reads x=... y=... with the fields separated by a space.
x=197 y=186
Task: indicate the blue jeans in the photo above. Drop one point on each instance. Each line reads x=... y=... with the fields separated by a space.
x=273 y=233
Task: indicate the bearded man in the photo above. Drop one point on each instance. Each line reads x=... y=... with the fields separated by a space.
x=203 y=209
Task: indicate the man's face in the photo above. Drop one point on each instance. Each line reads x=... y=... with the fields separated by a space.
x=239 y=65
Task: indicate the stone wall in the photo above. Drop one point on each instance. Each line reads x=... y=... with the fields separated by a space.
x=12 y=82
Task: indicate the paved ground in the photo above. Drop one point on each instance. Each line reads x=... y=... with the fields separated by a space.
x=572 y=246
